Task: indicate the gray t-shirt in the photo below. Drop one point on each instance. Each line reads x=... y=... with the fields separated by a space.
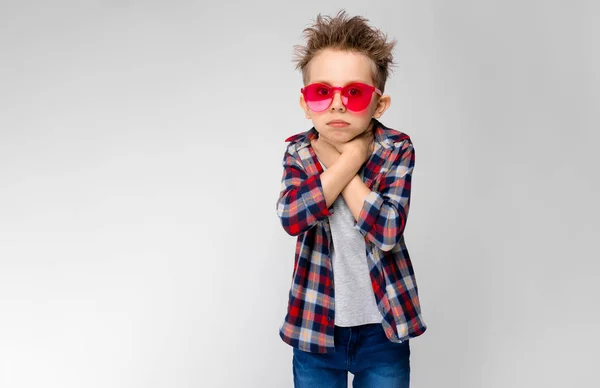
x=354 y=298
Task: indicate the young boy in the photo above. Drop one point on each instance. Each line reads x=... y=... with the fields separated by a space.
x=345 y=193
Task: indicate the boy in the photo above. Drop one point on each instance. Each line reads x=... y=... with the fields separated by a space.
x=345 y=193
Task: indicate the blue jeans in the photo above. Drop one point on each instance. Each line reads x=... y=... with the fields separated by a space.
x=364 y=351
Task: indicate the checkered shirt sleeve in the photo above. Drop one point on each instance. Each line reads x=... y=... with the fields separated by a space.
x=301 y=201
x=382 y=217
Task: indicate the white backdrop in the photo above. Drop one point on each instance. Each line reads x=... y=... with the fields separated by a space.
x=140 y=162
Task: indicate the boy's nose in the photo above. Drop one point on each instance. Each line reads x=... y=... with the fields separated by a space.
x=337 y=103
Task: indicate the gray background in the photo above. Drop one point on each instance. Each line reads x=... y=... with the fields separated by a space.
x=140 y=161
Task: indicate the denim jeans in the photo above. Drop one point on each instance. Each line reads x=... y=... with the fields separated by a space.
x=364 y=351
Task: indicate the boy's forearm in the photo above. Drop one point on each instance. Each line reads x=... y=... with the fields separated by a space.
x=338 y=175
x=354 y=194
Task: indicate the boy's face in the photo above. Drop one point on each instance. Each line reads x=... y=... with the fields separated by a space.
x=340 y=68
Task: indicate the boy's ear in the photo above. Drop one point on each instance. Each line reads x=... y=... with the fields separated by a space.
x=382 y=104
x=304 y=107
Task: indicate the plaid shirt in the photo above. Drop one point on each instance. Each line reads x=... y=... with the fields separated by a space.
x=309 y=322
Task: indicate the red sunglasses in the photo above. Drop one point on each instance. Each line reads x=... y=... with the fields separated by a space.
x=355 y=96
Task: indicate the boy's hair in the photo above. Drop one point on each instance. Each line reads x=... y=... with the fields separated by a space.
x=348 y=34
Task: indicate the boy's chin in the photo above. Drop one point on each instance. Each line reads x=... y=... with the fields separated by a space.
x=345 y=138
x=338 y=137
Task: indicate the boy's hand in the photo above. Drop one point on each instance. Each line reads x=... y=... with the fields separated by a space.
x=326 y=152
x=362 y=145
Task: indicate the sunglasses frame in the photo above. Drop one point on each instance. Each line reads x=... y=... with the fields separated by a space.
x=368 y=88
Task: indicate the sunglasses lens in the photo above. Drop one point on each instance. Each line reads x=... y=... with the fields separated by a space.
x=358 y=96
x=318 y=97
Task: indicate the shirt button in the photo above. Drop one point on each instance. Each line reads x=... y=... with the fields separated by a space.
x=329 y=318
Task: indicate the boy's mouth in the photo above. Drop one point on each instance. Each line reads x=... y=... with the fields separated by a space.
x=338 y=123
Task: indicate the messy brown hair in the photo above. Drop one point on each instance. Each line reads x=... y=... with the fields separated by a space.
x=346 y=33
